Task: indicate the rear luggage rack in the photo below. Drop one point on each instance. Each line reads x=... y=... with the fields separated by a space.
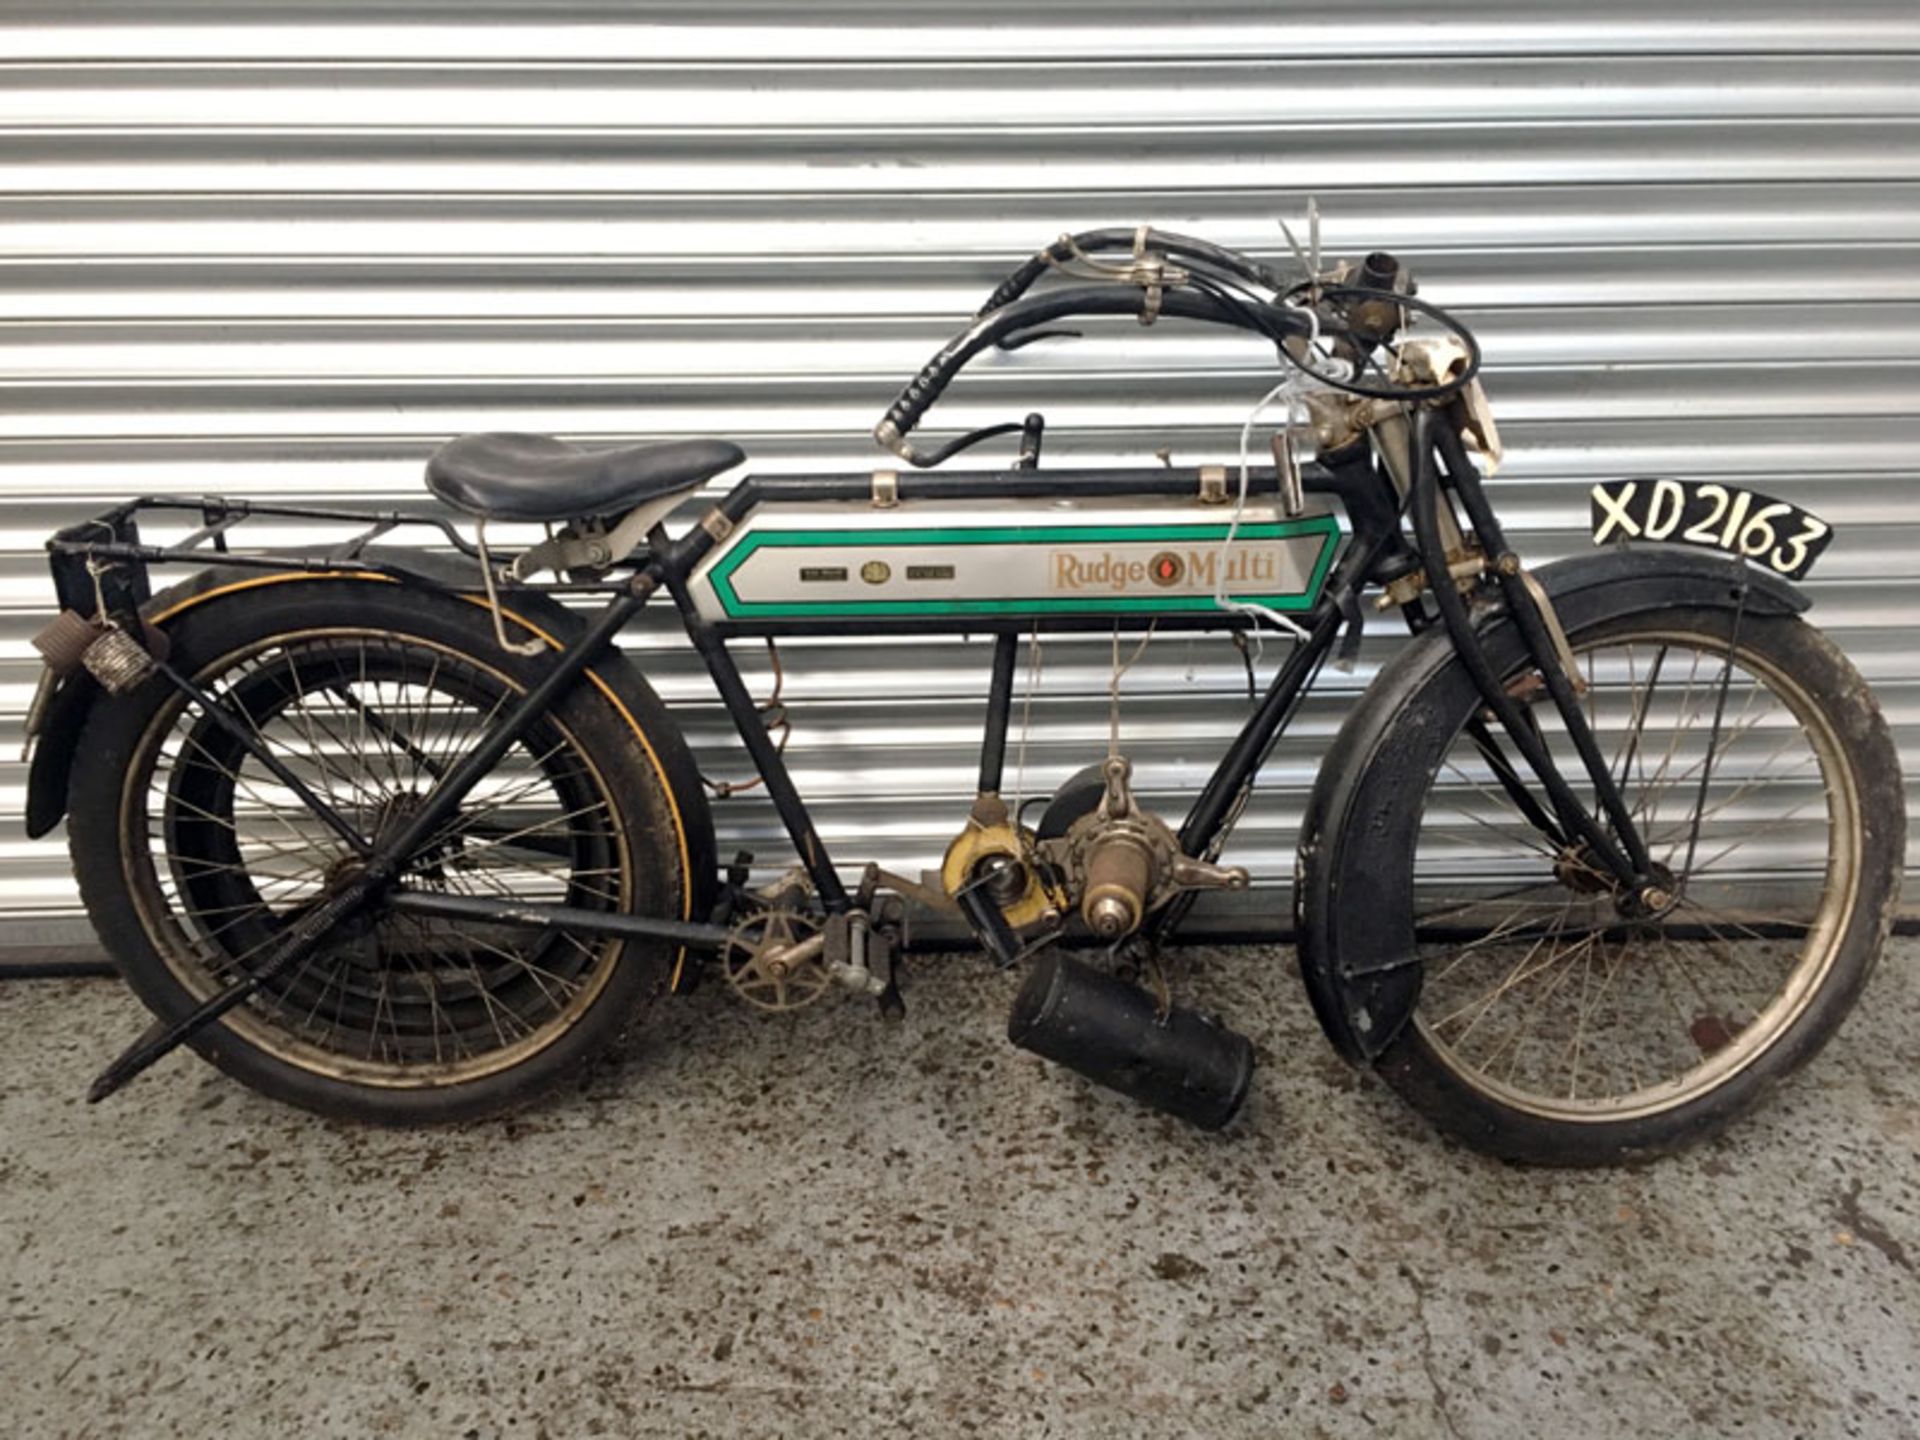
x=105 y=557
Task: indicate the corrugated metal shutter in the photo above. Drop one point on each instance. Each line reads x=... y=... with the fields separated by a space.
x=284 y=251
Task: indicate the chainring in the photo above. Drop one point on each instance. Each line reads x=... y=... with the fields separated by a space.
x=760 y=967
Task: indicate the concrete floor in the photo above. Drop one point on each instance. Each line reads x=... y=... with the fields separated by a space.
x=824 y=1225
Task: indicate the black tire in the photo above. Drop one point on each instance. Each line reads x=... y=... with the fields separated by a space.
x=613 y=828
x=1837 y=937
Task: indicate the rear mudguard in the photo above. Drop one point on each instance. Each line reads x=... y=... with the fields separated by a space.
x=1353 y=927
x=527 y=613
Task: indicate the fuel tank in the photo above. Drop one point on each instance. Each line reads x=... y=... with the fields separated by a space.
x=1080 y=557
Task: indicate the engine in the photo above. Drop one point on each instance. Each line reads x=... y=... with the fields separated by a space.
x=1123 y=862
x=1098 y=853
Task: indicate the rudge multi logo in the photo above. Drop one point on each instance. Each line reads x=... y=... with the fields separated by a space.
x=1196 y=568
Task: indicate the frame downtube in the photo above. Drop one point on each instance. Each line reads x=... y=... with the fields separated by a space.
x=761 y=749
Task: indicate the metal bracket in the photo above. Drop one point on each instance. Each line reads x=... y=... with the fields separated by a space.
x=1562 y=649
x=716 y=524
x=558 y=552
x=1213 y=484
x=886 y=489
x=595 y=550
x=1464 y=568
x=1149 y=271
x=512 y=647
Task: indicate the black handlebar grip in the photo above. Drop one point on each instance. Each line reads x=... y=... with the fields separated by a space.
x=1013 y=287
x=919 y=393
x=915 y=397
x=910 y=404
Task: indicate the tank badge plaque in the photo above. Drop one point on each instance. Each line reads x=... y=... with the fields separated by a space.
x=791 y=571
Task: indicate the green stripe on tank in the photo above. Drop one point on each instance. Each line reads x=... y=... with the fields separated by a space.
x=721 y=577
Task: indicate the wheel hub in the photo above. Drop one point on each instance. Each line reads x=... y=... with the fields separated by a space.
x=1576 y=869
x=1654 y=900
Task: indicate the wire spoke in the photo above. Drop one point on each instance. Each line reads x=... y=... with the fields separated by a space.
x=1560 y=990
x=368 y=721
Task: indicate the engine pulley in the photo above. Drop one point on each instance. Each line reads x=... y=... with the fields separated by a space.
x=993 y=852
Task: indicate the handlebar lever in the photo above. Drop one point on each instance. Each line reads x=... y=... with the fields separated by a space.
x=954 y=446
x=1020 y=342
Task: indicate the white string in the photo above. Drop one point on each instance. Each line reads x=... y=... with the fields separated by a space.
x=1026 y=723
x=1295 y=386
x=1113 y=685
x=1250 y=608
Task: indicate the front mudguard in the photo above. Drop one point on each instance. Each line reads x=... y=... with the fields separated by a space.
x=1353 y=872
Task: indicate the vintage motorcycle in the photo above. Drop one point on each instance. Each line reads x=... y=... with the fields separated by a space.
x=1604 y=851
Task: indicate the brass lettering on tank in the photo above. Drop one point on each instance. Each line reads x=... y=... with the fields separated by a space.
x=1196 y=569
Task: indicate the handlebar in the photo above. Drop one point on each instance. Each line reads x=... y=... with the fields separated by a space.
x=1359 y=311
x=1093 y=242
x=997 y=324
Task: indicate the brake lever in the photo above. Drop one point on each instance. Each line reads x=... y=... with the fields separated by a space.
x=1020 y=342
x=954 y=446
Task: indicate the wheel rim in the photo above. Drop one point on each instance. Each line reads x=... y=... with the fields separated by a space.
x=220 y=857
x=1539 y=991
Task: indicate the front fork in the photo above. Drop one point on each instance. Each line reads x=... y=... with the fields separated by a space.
x=1617 y=847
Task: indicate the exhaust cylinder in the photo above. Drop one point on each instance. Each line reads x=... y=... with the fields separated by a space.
x=1111 y=1032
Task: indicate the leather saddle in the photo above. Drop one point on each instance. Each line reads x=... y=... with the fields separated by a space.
x=536 y=477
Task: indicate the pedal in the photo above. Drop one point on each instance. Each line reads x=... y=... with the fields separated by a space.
x=851 y=945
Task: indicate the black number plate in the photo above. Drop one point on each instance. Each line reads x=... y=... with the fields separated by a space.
x=1756 y=527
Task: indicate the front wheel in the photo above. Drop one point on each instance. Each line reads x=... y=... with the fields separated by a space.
x=1560 y=1022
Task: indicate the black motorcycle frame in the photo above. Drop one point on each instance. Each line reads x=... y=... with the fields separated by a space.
x=107 y=552
x=100 y=568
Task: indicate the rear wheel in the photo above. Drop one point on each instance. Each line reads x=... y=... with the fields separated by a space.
x=1561 y=1022
x=194 y=858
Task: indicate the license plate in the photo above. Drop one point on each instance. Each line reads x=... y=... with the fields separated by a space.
x=1756 y=527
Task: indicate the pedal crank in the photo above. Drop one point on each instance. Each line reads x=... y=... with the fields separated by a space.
x=783 y=959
